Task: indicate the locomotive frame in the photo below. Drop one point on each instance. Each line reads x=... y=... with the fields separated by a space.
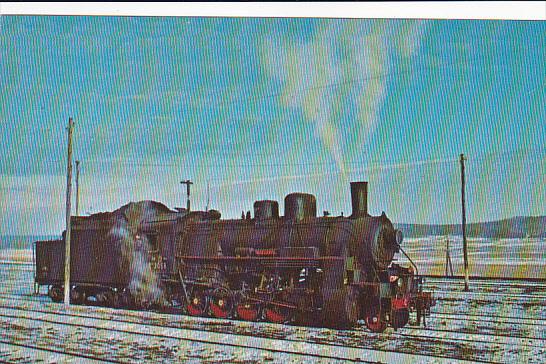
x=298 y=268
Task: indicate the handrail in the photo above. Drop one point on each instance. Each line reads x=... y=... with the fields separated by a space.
x=411 y=261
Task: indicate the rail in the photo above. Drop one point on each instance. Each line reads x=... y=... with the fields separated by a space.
x=482 y=278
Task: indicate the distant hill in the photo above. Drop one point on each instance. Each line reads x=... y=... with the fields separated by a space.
x=516 y=227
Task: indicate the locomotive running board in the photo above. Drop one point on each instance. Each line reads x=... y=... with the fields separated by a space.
x=267 y=261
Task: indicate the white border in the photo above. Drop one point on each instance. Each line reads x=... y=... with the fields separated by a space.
x=511 y=10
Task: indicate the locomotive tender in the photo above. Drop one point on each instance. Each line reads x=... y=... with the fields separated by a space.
x=325 y=271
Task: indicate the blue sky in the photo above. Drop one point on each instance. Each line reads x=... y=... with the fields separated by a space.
x=257 y=108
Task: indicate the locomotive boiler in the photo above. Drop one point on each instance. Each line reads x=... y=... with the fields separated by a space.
x=326 y=271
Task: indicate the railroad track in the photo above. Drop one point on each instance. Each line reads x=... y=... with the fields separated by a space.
x=483 y=318
x=434 y=327
x=25 y=297
x=452 y=315
x=529 y=289
x=484 y=281
x=514 y=320
x=305 y=350
x=476 y=337
x=158 y=324
x=15 y=352
x=441 y=338
x=489 y=295
x=487 y=285
x=496 y=320
x=435 y=343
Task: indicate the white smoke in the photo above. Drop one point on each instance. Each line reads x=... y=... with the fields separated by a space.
x=144 y=284
x=308 y=70
x=343 y=66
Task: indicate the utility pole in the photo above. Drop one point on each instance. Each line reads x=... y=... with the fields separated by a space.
x=208 y=196
x=448 y=259
x=465 y=252
x=188 y=183
x=67 y=235
x=77 y=187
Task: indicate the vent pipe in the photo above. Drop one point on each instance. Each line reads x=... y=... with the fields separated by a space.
x=359 y=199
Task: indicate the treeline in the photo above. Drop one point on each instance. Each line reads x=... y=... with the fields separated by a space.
x=517 y=227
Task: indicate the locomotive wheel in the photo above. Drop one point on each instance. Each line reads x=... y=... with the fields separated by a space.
x=342 y=308
x=56 y=293
x=198 y=304
x=117 y=301
x=277 y=314
x=77 y=297
x=248 y=311
x=306 y=318
x=374 y=321
x=104 y=298
x=221 y=307
x=400 y=318
x=126 y=299
x=352 y=307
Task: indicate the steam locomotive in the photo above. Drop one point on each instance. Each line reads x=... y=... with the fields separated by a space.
x=296 y=268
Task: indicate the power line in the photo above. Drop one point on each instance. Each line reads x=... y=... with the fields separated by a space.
x=409 y=70
x=377 y=165
x=332 y=169
x=518 y=151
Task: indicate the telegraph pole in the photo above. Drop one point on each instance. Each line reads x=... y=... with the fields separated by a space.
x=77 y=187
x=448 y=259
x=67 y=235
x=188 y=183
x=465 y=253
x=208 y=195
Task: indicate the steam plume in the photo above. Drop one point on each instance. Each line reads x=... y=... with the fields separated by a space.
x=144 y=284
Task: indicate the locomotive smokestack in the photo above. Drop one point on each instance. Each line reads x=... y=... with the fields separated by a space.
x=359 y=198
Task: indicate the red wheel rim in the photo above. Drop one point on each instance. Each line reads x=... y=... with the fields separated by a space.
x=247 y=312
x=373 y=322
x=197 y=306
x=220 y=307
x=276 y=315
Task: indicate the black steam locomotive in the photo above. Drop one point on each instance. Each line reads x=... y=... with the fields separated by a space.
x=325 y=271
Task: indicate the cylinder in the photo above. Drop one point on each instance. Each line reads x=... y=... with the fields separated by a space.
x=266 y=209
x=298 y=206
x=359 y=199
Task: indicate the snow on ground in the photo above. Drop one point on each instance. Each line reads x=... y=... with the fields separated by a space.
x=211 y=346
x=500 y=321
x=10 y=353
x=515 y=258
x=489 y=323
